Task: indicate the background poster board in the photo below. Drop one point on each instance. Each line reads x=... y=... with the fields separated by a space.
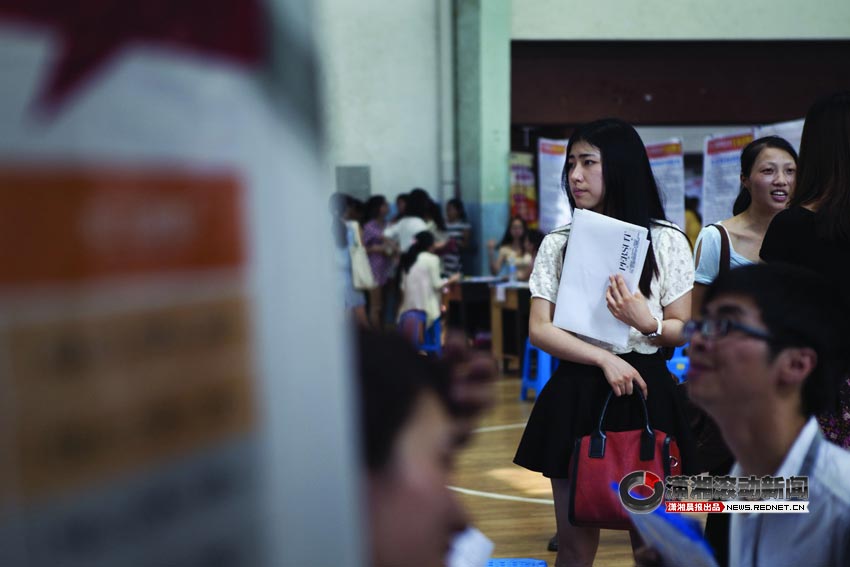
x=153 y=391
x=721 y=175
x=523 y=195
x=791 y=131
x=554 y=205
x=667 y=159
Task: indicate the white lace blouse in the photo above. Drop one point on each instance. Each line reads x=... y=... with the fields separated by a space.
x=675 y=276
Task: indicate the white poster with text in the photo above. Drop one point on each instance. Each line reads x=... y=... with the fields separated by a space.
x=554 y=205
x=791 y=131
x=667 y=159
x=721 y=175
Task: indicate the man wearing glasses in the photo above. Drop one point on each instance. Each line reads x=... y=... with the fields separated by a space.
x=767 y=356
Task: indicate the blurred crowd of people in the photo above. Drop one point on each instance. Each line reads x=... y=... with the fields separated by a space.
x=415 y=253
x=415 y=249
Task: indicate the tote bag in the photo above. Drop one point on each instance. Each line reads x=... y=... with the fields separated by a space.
x=606 y=457
x=361 y=271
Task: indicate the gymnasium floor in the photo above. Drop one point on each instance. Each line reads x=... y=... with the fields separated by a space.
x=510 y=505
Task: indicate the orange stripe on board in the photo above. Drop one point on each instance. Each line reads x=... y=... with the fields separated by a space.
x=655 y=151
x=71 y=225
x=728 y=143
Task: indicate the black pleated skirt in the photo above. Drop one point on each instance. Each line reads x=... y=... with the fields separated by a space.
x=570 y=404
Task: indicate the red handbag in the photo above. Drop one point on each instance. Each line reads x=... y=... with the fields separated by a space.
x=603 y=458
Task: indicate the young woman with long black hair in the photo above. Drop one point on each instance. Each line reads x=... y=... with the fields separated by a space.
x=608 y=172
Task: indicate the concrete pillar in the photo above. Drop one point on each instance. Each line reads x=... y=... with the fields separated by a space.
x=483 y=42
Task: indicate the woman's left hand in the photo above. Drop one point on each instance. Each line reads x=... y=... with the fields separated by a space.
x=630 y=308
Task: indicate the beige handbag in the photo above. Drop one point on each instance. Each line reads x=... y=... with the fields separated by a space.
x=361 y=271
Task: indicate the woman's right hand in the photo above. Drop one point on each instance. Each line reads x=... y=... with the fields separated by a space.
x=491 y=245
x=621 y=376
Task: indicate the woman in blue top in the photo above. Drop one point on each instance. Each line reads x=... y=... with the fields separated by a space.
x=768 y=175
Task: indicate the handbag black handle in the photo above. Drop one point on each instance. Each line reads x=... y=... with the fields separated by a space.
x=647 y=437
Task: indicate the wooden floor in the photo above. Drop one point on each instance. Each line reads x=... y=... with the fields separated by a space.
x=519 y=528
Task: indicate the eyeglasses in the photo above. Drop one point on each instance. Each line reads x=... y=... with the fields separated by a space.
x=717 y=328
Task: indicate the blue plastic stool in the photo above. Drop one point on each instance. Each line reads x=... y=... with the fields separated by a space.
x=516 y=563
x=546 y=365
x=679 y=364
x=412 y=326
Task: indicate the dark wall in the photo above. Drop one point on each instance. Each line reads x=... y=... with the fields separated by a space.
x=558 y=84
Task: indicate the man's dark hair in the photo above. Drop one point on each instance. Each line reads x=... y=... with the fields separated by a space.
x=391 y=378
x=799 y=309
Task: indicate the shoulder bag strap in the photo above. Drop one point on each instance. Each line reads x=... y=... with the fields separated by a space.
x=725 y=258
x=355 y=229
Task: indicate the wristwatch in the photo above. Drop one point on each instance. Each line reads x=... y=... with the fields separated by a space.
x=657 y=332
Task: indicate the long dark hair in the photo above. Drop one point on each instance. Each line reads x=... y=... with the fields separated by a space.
x=436 y=214
x=418 y=204
x=423 y=241
x=823 y=176
x=535 y=238
x=507 y=239
x=373 y=207
x=748 y=160
x=631 y=193
x=400 y=198
x=458 y=205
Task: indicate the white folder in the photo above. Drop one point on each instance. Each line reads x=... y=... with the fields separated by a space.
x=470 y=548
x=598 y=247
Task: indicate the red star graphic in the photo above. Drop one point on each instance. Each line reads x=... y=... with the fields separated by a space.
x=92 y=31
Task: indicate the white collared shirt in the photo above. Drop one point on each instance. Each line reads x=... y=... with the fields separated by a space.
x=819 y=538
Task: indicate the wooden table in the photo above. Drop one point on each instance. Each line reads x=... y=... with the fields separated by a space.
x=467 y=305
x=509 y=323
